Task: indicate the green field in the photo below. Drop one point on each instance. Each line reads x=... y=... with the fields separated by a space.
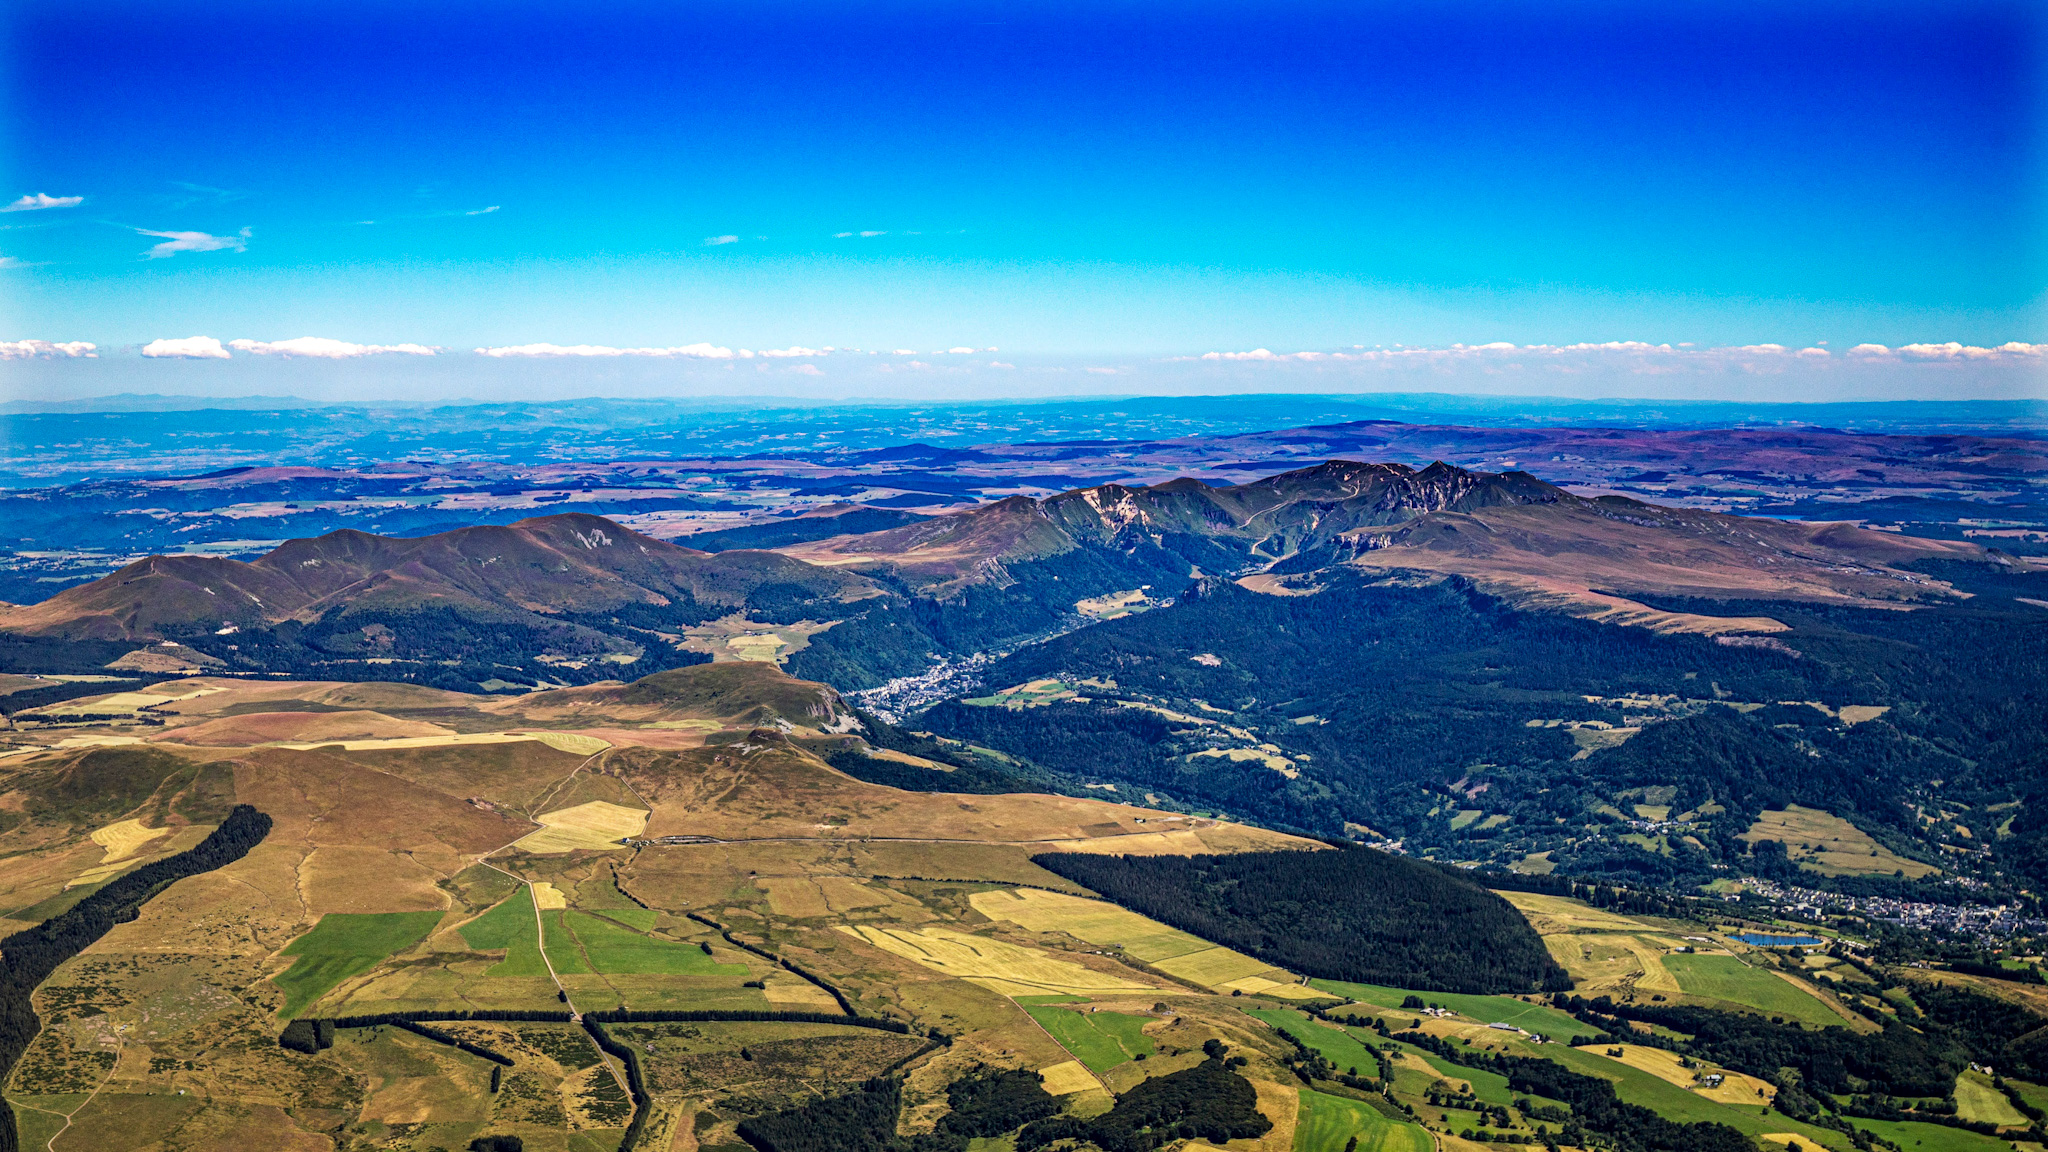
x=345 y=944
x=617 y=951
x=1333 y=1044
x=580 y=943
x=2033 y=1094
x=1101 y=1040
x=1728 y=979
x=1485 y=1009
x=1487 y=1087
x=641 y=918
x=509 y=926
x=1327 y=1123
x=1675 y=1103
x=1932 y=1137
x=1977 y=1100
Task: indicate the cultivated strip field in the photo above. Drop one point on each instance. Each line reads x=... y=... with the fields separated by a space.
x=1170 y=950
x=1011 y=969
x=598 y=825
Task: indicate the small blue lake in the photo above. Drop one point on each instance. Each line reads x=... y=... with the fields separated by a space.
x=1760 y=940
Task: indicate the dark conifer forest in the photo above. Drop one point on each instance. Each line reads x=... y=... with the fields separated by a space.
x=1345 y=914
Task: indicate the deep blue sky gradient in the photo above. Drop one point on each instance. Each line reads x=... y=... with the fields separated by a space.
x=1051 y=177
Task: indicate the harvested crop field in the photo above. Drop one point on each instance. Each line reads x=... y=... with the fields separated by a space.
x=598 y=825
x=1068 y=1078
x=1096 y=921
x=125 y=838
x=1170 y=950
x=1011 y=969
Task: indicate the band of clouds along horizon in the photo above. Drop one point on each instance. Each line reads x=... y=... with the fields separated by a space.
x=1648 y=356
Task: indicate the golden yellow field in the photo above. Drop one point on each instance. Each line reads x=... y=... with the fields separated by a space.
x=1548 y=914
x=1096 y=921
x=547 y=897
x=572 y=742
x=1068 y=1078
x=125 y=838
x=1167 y=949
x=1830 y=844
x=1010 y=969
x=1735 y=1087
x=788 y=993
x=597 y=825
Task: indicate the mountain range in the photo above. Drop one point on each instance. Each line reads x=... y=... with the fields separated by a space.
x=571 y=595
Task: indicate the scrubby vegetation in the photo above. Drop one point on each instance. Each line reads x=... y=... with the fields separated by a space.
x=27 y=958
x=1347 y=914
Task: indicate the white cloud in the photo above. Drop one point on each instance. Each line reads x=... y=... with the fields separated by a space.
x=961 y=351
x=874 y=233
x=45 y=350
x=1000 y=364
x=792 y=350
x=1955 y=351
x=841 y=235
x=904 y=352
x=483 y=211
x=687 y=351
x=189 y=348
x=717 y=240
x=176 y=242
x=1647 y=358
x=40 y=201
x=320 y=347
x=11 y=262
x=807 y=370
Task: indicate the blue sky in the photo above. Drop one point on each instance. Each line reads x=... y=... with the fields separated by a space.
x=1052 y=179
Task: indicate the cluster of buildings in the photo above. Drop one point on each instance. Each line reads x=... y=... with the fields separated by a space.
x=1982 y=922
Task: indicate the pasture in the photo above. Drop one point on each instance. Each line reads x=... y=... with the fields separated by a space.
x=1485 y=1009
x=1977 y=1100
x=1728 y=979
x=1933 y=1137
x=1831 y=845
x=346 y=944
x=1328 y=1123
x=582 y=943
x=1101 y=1040
x=1336 y=1045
